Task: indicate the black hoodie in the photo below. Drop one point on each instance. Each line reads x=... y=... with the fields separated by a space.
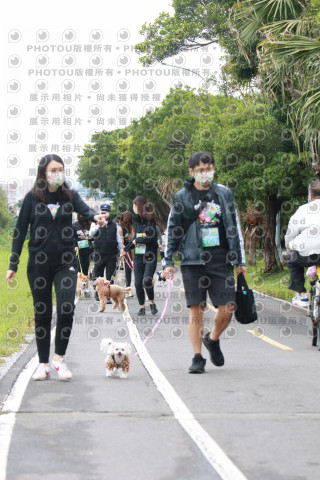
x=48 y=235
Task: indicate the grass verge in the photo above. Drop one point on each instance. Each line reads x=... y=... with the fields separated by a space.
x=273 y=284
x=16 y=306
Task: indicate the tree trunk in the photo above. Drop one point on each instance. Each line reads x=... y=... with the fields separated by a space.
x=272 y=261
x=315 y=162
x=252 y=248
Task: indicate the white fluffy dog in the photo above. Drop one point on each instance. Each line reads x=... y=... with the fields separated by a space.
x=117 y=357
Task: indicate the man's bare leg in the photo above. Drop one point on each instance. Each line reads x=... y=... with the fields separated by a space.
x=195 y=327
x=221 y=320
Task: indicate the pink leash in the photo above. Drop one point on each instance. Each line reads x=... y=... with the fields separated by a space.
x=162 y=315
x=130 y=265
x=160 y=319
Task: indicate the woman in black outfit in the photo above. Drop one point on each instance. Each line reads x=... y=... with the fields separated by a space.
x=128 y=235
x=82 y=242
x=48 y=209
x=145 y=253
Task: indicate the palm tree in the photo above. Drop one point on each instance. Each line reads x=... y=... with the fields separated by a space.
x=289 y=62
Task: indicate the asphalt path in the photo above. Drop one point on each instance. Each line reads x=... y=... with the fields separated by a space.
x=259 y=414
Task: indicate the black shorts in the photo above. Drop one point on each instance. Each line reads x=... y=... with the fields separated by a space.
x=215 y=277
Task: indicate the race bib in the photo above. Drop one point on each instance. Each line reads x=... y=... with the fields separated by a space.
x=210 y=237
x=140 y=249
x=83 y=244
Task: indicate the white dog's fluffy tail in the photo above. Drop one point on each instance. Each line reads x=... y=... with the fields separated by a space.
x=105 y=344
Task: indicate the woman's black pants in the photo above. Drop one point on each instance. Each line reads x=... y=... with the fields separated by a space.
x=144 y=268
x=41 y=278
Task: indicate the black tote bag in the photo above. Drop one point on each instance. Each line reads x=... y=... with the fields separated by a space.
x=246 y=310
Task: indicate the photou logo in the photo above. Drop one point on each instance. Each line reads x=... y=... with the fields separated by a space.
x=42 y=35
x=14 y=61
x=14 y=36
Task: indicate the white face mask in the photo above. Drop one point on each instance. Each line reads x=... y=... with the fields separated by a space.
x=205 y=178
x=135 y=209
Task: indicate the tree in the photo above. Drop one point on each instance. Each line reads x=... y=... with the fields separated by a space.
x=150 y=156
x=253 y=220
x=289 y=63
x=5 y=217
x=195 y=24
x=254 y=157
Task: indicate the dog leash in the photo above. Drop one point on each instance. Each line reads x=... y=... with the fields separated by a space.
x=77 y=253
x=130 y=264
x=160 y=319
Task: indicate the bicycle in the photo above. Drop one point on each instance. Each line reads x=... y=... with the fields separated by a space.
x=314 y=308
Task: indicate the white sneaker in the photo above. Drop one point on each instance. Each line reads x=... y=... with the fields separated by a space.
x=60 y=366
x=301 y=300
x=42 y=372
x=129 y=294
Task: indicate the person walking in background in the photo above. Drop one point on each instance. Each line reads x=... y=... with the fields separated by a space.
x=128 y=235
x=83 y=244
x=161 y=274
x=48 y=209
x=145 y=252
x=203 y=225
x=117 y=220
x=107 y=245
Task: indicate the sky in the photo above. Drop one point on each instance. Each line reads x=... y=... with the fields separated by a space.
x=70 y=70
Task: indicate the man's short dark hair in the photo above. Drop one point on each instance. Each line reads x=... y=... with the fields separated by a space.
x=197 y=157
x=314 y=187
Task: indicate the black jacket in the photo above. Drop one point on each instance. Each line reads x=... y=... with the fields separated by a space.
x=151 y=238
x=50 y=236
x=105 y=239
x=184 y=227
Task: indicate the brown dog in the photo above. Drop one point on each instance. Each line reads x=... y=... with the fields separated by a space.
x=82 y=285
x=105 y=291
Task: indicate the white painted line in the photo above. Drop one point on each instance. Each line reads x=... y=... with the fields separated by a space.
x=208 y=447
x=11 y=406
x=7 y=422
x=14 y=398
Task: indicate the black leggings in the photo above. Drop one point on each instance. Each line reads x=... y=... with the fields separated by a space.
x=41 y=278
x=84 y=262
x=128 y=270
x=104 y=261
x=144 y=268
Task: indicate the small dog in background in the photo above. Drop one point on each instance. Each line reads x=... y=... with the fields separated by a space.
x=106 y=291
x=117 y=360
x=83 y=285
x=162 y=281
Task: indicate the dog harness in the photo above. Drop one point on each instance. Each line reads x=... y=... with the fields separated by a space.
x=101 y=286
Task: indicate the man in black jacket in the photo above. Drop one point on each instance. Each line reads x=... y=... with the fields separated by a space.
x=107 y=245
x=203 y=226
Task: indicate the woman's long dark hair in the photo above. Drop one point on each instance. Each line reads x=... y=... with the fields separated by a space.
x=126 y=221
x=83 y=224
x=40 y=188
x=145 y=209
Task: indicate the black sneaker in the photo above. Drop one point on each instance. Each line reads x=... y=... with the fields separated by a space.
x=109 y=302
x=198 y=364
x=153 y=308
x=141 y=312
x=213 y=346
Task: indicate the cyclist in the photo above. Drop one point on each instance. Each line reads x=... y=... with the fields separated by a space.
x=303 y=241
